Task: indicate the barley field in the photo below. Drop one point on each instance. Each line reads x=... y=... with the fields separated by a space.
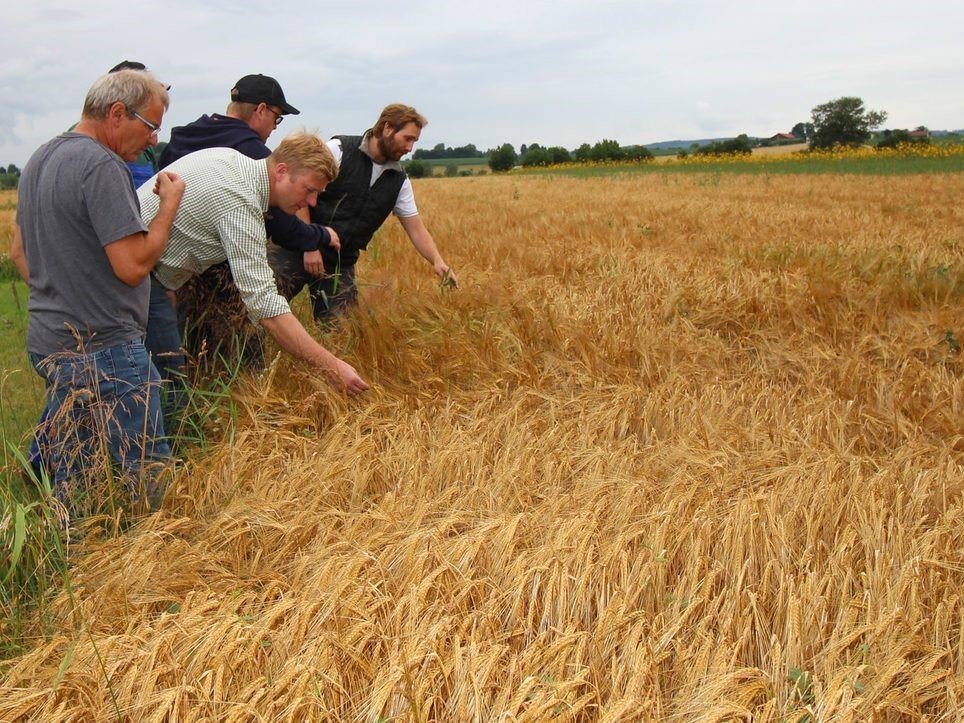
x=683 y=447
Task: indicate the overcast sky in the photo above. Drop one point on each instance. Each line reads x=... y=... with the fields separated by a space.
x=556 y=72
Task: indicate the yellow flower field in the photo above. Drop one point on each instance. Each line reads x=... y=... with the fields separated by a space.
x=683 y=447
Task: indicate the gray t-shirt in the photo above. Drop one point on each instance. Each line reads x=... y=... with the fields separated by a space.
x=76 y=197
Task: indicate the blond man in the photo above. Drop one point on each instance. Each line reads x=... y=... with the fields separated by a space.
x=221 y=218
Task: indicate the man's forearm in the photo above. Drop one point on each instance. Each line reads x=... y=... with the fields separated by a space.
x=421 y=239
x=17 y=254
x=158 y=232
x=294 y=339
x=292 y=233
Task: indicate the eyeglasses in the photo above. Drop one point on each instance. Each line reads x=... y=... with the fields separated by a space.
x=155 y=128
x=278 y=117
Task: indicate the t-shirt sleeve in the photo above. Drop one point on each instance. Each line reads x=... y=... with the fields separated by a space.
x=405 y=203
x=111 y=202
x=334 y=145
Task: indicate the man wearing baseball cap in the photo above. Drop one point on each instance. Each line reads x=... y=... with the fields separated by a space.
x=257 y=107
x=210 y=309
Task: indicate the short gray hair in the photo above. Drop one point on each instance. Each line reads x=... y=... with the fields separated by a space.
x=134 y=88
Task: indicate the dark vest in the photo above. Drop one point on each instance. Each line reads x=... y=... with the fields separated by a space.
x=351 y=207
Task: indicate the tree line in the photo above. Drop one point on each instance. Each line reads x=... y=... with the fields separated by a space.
x=841 y=122
x=9 y=176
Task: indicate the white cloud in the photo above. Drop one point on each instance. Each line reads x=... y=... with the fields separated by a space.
x=560 y=72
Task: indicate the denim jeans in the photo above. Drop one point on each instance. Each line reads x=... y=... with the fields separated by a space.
x=102 y=406
x=163 y=343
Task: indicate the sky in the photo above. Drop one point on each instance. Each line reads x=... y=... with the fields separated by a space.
x=554 y=72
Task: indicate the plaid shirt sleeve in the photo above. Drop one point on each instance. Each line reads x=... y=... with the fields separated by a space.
x=245 y=243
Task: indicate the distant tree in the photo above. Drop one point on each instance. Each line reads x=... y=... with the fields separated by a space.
x=637 y=153
x=418 y=168
x=440 y=151
x=802 y=130
x=740 y=145
x=894 y=138
x=503 y=158
x=437 y=151
x=451 y=170
x=583 y=153
x=466 y=151
x=9 y=176
x=558 y=154
x=607 y=150
x=844 y=122
x=523 y=149
x=535 y=156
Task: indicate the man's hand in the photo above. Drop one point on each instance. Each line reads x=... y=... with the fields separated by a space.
x=449 y=279
x=292 y=337
x=314 y=264
x=334 y=243
x=169 y=187
x=347 y=378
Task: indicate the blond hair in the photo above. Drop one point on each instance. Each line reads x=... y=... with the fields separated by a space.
x=306 y=151
x=241 y=109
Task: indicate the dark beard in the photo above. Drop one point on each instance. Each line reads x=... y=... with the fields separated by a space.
x=385 y=151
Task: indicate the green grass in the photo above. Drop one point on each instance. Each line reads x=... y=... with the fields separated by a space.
x=443 y=162
x=33 y=559
x=856 y=166
x=21 y=390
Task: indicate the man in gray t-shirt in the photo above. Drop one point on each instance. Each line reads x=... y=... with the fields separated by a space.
x=82 y=247
x=77 y=302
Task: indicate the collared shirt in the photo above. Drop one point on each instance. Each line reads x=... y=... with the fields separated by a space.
x=405 y=203
x=221 y=217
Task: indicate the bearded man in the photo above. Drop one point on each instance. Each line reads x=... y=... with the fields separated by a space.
x=370 y=185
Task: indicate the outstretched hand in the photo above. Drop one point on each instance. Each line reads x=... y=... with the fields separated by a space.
x=347 y=378
x=449 y=279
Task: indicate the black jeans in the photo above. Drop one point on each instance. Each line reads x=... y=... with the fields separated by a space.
x=332 y=294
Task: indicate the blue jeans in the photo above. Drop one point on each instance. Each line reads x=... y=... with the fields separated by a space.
x=104 y=402
x=163 y=342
